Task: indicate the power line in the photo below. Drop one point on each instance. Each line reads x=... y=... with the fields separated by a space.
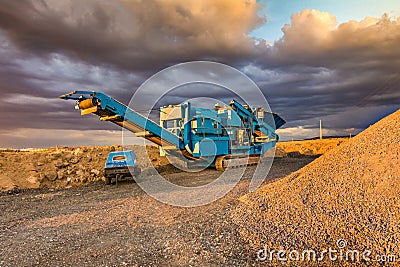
x=384 y=87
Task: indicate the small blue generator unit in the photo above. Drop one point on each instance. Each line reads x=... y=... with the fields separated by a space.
x=120 y=164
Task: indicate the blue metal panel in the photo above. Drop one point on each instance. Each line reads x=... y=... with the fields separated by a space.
x=207 y=126
x=222 y=147
x=118 y=159
x=207 y=113
x=209 y=147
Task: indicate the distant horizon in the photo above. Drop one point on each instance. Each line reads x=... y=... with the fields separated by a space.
x=151 y=144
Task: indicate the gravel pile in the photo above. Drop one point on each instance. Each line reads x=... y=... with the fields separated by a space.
x=64 y=167
x=352 y=193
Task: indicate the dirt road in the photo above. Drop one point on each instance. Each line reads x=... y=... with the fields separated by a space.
x=100 y=225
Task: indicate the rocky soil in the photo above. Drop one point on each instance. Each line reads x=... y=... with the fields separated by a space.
x=119 y=225
x=352 y=193
x=64 y=167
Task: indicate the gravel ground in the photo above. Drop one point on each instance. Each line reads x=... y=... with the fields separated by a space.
x=98 y=225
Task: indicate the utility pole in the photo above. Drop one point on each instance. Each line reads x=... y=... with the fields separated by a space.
x=320 y=129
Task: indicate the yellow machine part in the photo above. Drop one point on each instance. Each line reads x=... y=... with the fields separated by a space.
x=258 y=133
x=85 y=104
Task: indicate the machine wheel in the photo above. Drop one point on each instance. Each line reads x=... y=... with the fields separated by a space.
x=107 y=180
x=219 y=164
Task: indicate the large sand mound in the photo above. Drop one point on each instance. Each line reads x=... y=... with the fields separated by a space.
x=352 y=193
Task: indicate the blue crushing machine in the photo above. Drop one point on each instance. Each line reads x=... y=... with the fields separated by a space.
x=221 y=137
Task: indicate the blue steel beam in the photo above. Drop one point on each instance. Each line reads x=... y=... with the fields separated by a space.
x=243 y=112
x=122 y=115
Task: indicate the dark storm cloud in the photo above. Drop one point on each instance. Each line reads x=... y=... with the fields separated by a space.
x=347 y=74
x=136 y=35
x=51 y=47
x=323 y=70
x=30 y=88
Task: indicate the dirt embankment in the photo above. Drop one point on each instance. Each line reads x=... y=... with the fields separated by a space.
x=62 y=168
x=351 y=193
x=307 y=147
x=79 y=166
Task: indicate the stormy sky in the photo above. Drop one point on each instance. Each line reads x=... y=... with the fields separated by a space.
x=345 y=72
